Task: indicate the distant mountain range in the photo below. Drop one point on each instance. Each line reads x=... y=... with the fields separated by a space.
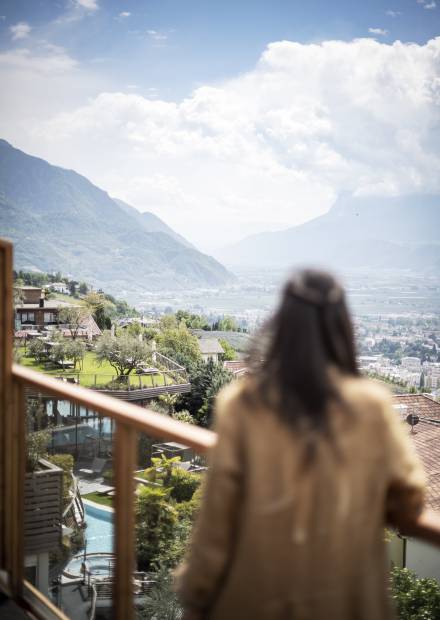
x=358 y=232
x=60 y=221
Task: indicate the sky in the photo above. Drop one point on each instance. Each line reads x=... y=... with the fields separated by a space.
x=227 y=117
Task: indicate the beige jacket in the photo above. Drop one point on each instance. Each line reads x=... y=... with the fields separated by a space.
x=277 y=540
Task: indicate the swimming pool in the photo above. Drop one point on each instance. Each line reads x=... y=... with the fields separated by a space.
x=99 y=531
x=99 y=543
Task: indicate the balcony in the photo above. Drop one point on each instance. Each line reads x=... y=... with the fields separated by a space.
x=126 y=422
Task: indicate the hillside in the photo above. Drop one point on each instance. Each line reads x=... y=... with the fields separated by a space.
x=58 y=220
x=151 y=223
x=373 y=232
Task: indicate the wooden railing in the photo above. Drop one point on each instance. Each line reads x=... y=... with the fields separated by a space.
x=129 y=419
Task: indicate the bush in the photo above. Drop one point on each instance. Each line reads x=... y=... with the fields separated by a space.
x=156 y=522
x=183 y=484
x=415 y=599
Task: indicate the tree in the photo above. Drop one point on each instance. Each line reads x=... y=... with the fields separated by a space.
x=206 y=378
x=37 y=350
x=75 y=350
x=124 y=353
x=416 y=599
x=97 y=304
x=156 y=519
x=192 y=321
x=176 y=341
x=134 y=329
x=59 y=351
x=74 y=317
x=161 y=601
x=227 y=324
x=83 y=288
x=229 y=351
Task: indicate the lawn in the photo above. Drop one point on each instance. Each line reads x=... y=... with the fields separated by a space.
x=92 y=373
x=98 y=498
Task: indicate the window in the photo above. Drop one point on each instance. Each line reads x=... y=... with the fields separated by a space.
x=28 y=317
x=49 y=317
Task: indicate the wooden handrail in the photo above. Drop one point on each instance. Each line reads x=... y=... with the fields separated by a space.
x=141 y=419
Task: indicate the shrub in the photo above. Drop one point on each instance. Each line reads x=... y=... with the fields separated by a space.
x=415 y=599
x=183 y=484
x=156 y=520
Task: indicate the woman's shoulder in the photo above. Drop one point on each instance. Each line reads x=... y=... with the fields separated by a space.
x=364 y=394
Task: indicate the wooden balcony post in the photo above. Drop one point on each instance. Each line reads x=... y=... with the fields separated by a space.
x=124 y=465
x=11 y=437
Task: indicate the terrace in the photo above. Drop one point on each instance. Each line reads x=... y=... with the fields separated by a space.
x=128 y=420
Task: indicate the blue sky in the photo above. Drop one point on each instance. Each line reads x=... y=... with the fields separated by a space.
x=227 y=118
x=176 y=45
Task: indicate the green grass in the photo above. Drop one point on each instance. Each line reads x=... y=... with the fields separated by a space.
x=104 y=500
x=67 y=298
x=92 y=373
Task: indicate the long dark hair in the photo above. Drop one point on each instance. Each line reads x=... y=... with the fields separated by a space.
x=310 y=332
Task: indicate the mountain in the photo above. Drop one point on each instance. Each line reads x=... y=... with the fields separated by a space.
x=358 y=232
x=58 y=220
x=151 y=223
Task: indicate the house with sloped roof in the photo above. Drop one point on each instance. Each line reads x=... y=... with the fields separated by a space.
x=210 y=349
x=425 y=435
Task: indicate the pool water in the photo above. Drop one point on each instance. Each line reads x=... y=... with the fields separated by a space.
x=99 y=530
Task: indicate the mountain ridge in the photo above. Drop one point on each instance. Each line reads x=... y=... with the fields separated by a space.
x=367 y=232
x=59 y=220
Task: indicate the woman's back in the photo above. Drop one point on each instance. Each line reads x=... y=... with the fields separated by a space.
x=281 y=536
x=311 y=463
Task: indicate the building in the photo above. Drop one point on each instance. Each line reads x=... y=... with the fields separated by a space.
x=210 y=348
x=412 y=363
x=237 y=367
x=33 y=310
x=59 y=287
x=420 y=557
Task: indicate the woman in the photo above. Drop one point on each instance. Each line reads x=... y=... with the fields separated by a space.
x=311 y=463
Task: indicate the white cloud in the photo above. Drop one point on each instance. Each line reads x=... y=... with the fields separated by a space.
x=429 y=6
x=379 y=31
x=124 y=14
x=270 y=148
x=20 y=31
x=89 y=5
x=56 y=62
x=391 y=13
x=157 y=36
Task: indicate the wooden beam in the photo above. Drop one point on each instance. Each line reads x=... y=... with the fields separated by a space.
x=143 y=420
x=124 y=466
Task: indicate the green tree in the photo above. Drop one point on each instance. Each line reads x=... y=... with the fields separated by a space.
x=176 y=341
x=162 y=602
x=37 y=350
x=124 y=353
x=227 y=324
x=75 y=350
x=206 y=378
x=74 y=317
x=134 y=329
x=59 y=351
x=97 y=305
x=415 y=599
x=229 y=351
x=83 y=288
x=156 y=520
